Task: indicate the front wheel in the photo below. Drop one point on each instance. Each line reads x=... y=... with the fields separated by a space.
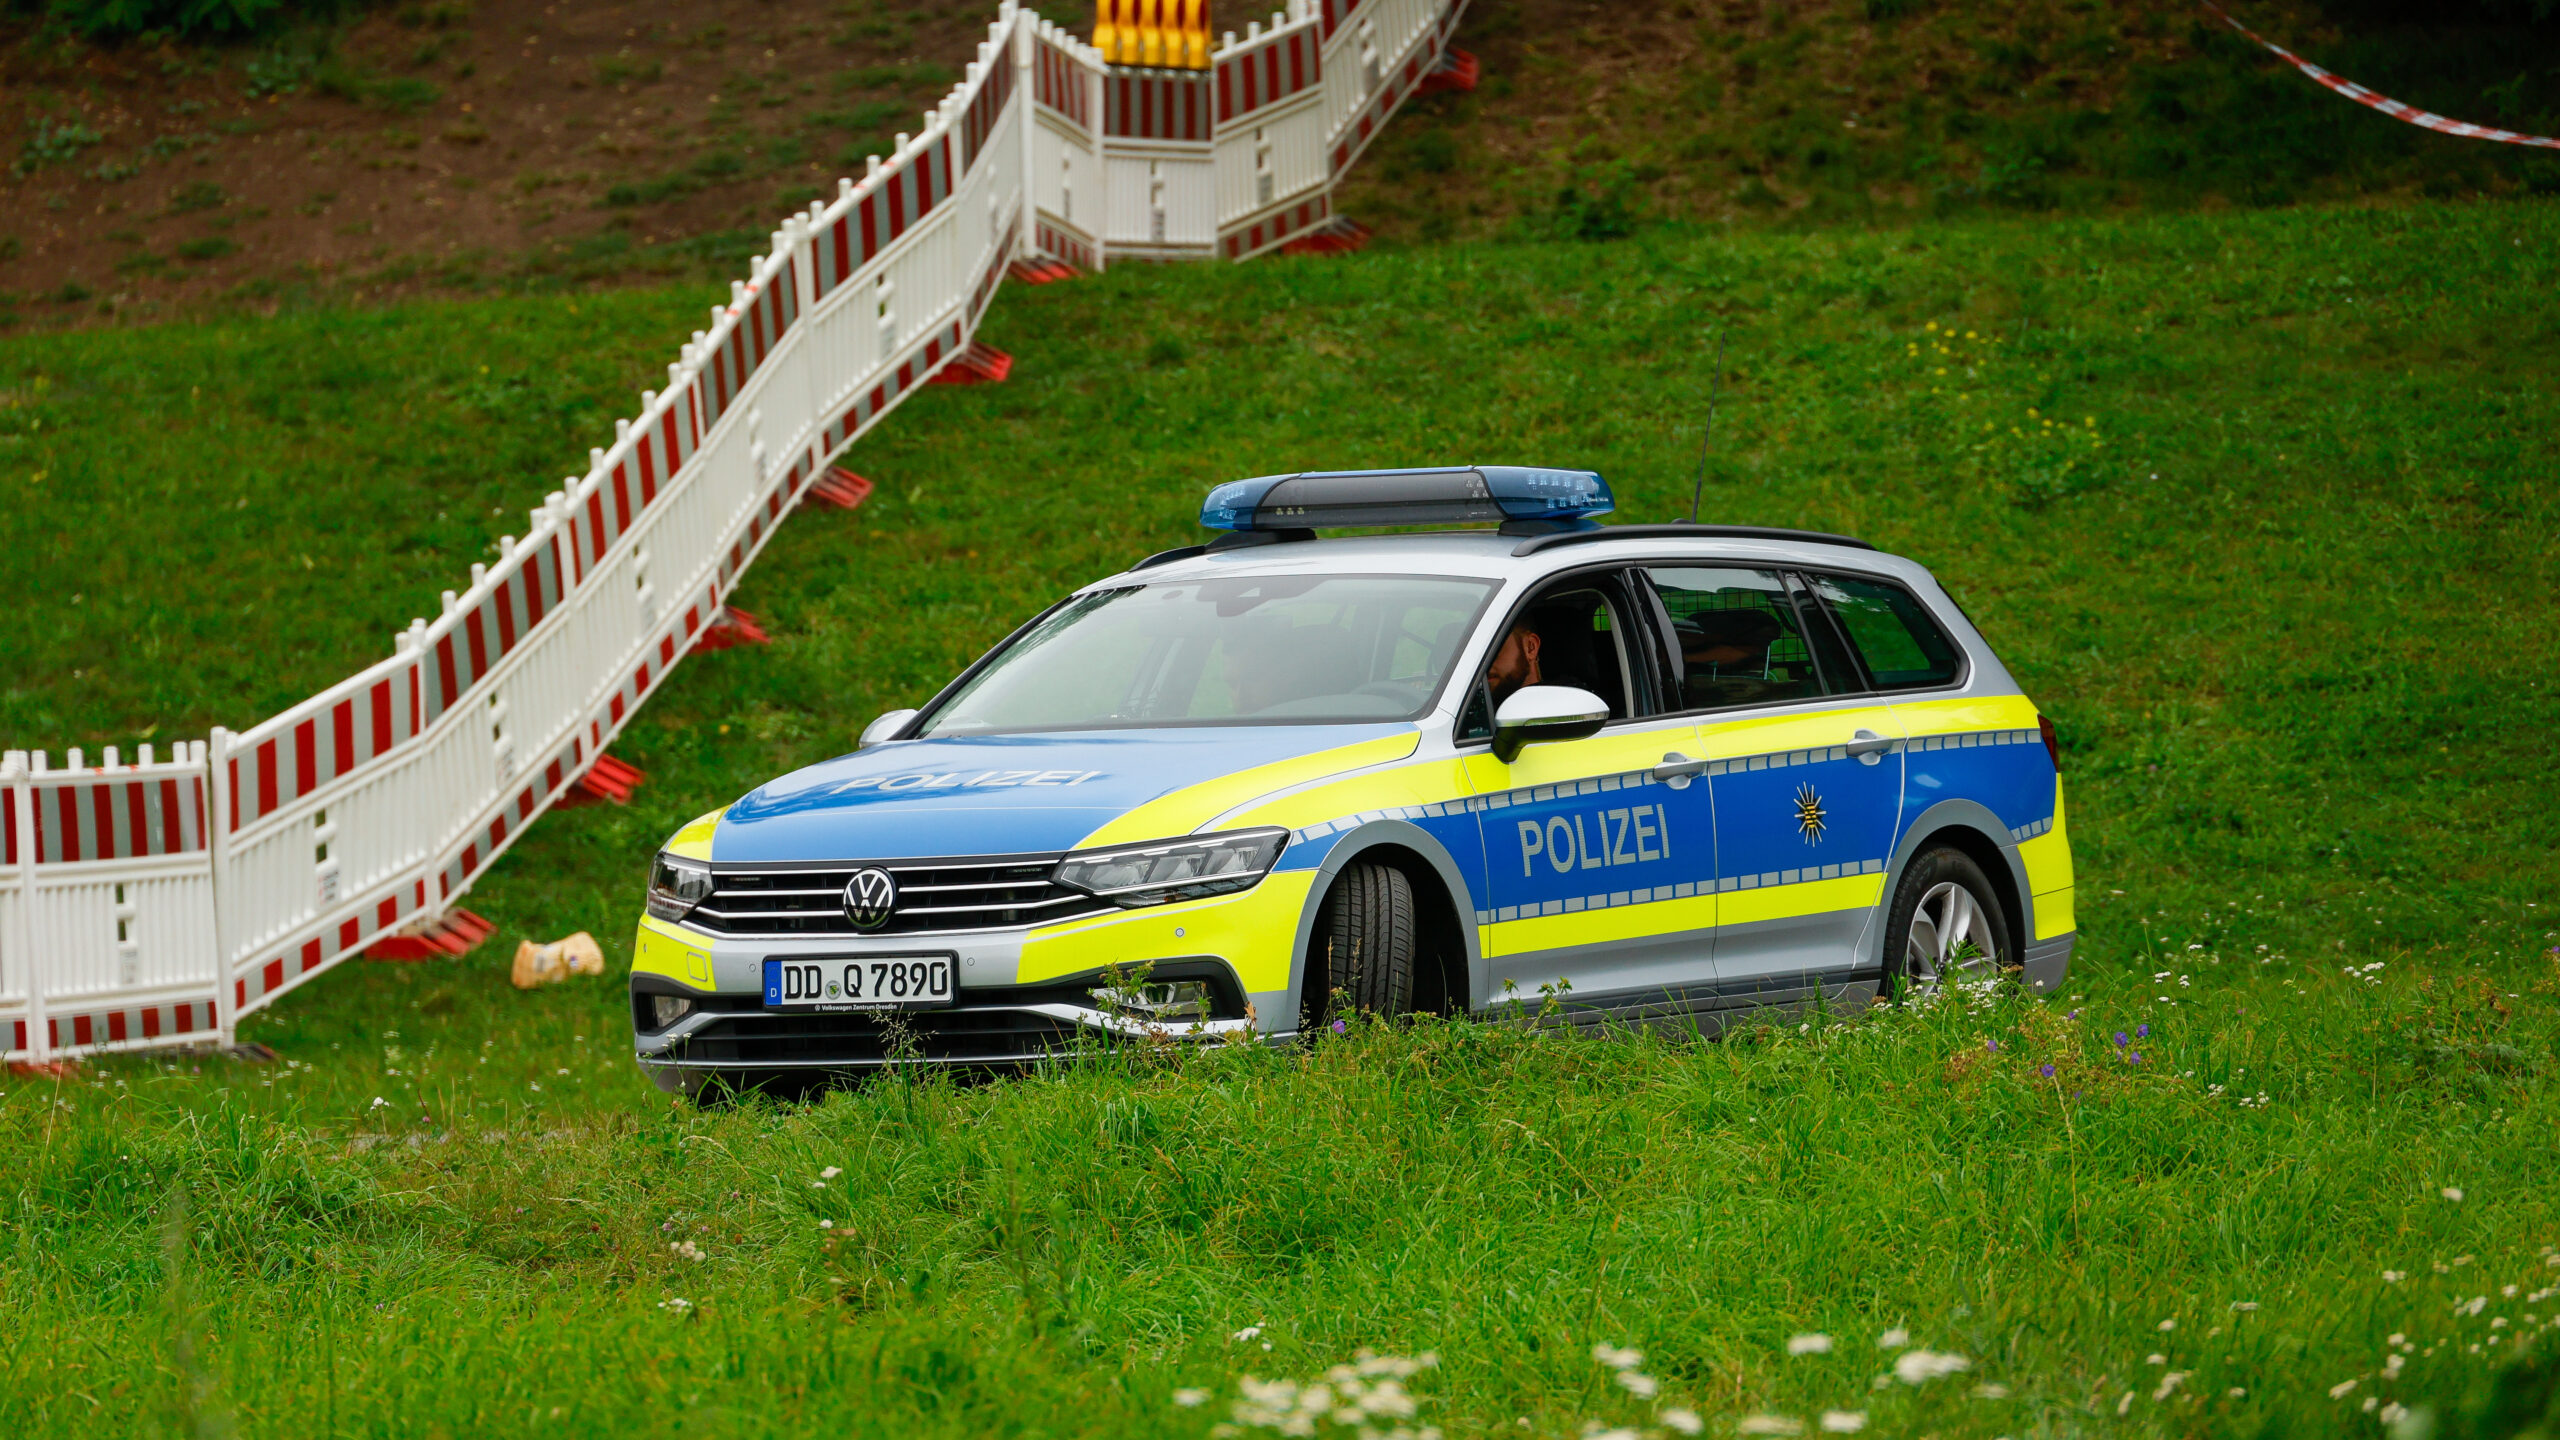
x=1361 y=957
x=1946 y=927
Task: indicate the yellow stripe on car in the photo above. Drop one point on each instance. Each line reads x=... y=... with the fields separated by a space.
x=2049 y=875
x=693 y=842
x=1948 y=717
x=1600 y=927
x=1256 y=932
x=678 y=954
x=1188 y=809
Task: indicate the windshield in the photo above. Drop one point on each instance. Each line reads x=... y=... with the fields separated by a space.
x=1270 y=649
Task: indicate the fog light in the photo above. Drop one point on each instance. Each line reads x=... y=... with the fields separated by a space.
x=668 y=1009
x=1159 y=1003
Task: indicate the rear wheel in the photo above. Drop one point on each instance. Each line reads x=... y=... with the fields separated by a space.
x=1361 y=957
x=1946 y=927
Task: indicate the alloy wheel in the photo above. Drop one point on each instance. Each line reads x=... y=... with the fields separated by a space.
x=1951 y=940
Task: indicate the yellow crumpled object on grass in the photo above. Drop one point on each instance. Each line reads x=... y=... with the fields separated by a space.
x=550 y=964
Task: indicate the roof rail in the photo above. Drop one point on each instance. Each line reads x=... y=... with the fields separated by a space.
x=1698 y=532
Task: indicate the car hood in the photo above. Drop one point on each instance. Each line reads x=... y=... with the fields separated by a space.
x=997 y=794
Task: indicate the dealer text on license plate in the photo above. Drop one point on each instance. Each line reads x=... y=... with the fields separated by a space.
x=867 y=983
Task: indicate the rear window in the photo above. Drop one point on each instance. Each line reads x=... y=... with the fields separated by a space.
x=1902 y=647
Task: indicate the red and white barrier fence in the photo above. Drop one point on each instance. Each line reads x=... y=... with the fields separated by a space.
x=159 y=901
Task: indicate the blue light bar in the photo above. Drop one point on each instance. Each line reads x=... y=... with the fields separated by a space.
x=1351 y=499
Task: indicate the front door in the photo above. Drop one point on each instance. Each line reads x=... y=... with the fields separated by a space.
x=1807 y=779
x=1600 y=876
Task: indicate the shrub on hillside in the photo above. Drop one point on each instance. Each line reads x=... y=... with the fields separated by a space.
x=184 y=19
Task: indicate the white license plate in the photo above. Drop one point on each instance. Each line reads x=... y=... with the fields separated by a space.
x=876 y=982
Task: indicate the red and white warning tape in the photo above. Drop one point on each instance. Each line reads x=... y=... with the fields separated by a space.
x=2426 y=119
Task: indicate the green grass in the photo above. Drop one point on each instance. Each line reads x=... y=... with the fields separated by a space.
x=2290 y=607
x=1590 y=119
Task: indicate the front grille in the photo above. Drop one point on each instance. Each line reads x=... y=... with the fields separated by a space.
x=952 y=1037
x=934 y=896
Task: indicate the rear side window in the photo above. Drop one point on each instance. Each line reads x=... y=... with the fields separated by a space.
x=1738 y=637
x=1903 y=648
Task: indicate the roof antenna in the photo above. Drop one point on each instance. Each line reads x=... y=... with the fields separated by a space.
x=1707 y=439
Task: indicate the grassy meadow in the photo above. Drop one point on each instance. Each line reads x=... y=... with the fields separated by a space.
x=2258 y=506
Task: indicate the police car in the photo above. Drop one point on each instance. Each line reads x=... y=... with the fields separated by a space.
x=1668 y=772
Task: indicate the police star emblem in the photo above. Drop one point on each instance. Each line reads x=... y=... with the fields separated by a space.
x=1809 y=815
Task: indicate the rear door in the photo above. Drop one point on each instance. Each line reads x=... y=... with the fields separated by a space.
x=1598 y=874
x=1805 y=770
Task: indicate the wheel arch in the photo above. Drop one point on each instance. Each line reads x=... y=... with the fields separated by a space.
x=1445 y=905
x=1970 y=827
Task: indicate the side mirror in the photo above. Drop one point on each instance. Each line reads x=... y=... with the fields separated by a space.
x=884 y=728
x=1537 y=713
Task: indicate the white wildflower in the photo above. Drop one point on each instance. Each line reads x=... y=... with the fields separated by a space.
x=1844 y=1422
x=831 y=1172
x=1187 y=1397
x=2339 y=1390
x=1638 y=1384
x=2394 y=1277
x=2169 y=1384
x=1990 y=1392
x=379 y=1104
x=2155 y=1358
x=1684 y=1421
x=1893 y=1339
x=826 y=1224
x=2394 y=1413
x=2452 y=1192
x=1918 y=1367
x=2237 y=1393
x=2244 y=1305
x=686 y=1250
x=1767 y=1425
x=1808 y=1344
x=676 y=1306
x=2167 y=1326
x=1621 y=1432
x=1247 y=1333
x=1616 y=1358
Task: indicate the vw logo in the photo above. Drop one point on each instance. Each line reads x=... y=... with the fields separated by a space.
x=869 y=898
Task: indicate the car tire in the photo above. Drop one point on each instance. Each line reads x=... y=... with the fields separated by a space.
x=1362 y=954
x=1946 y=922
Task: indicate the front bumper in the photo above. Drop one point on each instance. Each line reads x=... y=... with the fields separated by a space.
x=1021 y=995
x=979 y=1033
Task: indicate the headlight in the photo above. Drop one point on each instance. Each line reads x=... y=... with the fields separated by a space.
x=665 y=1010
x=676 y=886
x=1137 y=875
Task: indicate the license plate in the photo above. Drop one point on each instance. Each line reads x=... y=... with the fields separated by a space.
x=879 y=982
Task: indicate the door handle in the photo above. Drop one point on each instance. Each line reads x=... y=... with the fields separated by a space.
x=1677 y=769
x=1868 y=746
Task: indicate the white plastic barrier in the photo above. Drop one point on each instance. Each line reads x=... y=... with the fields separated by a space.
x=158 y=902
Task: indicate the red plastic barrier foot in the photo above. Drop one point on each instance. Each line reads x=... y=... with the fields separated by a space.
x=607 y=779
x=49 y=1069
x=1039 y=271
x=734 y=627
x=458 y=933
x=840 y=488
x=1338 y=236
x=1457 y=70
x=977 y=365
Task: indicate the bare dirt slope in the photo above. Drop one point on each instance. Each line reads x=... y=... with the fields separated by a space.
x=435 y=145
x=446 y=144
